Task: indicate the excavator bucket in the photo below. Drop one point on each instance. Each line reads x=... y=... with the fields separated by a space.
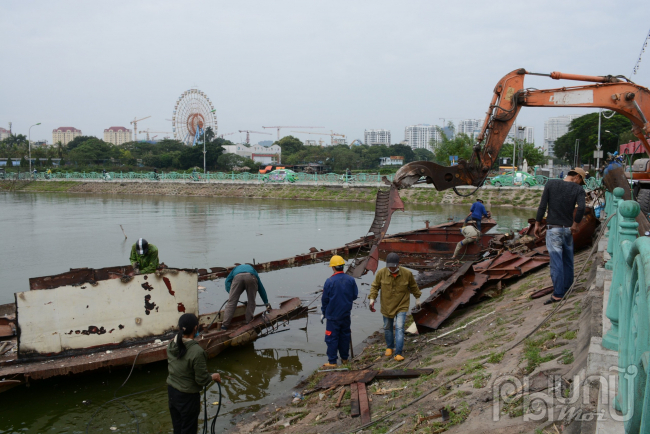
x=442 y=177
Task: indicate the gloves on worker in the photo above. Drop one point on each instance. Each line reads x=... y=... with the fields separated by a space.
x=322 y=319
x=268 y=307
x=417 y=303
x=372 y=304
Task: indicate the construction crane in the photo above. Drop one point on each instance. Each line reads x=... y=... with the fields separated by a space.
x=158 y=132
x=135 y=126
x=278 y=128
x=248 y=136
x=332 y=134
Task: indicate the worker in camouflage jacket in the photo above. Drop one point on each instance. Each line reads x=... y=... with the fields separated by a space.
x=144 y=257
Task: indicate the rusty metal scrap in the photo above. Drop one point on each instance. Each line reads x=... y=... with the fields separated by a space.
x=386 y=204
x=509 y=264
x=447 y=296
x=344 y=378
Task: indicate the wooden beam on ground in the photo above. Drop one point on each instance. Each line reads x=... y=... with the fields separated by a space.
x=388 y=374
x=341 y=395
x=354 y=400
x=364 y=405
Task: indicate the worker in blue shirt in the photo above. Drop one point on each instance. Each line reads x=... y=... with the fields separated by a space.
x=243 y=278
x=339 y=292
x=476 y=213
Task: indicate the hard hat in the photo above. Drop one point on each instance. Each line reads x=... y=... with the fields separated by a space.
x=336 y=261
x=392 y=260
x=142 y=246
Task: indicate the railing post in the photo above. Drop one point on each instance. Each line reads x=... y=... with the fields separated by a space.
x=613 y=226
x=626 y=229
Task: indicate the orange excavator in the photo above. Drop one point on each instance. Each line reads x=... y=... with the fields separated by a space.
x=615 y=93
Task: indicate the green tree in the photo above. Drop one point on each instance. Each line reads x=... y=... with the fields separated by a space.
x=585 y=129
x=193 y=156
x=49 y=162
x=461 y=145
x=403 y=151
x=23 y=162
x=422 y=154
x=290 y=145
x=230 y=161
x=534 y=156
x=9 y=163
x=93 y=151
x=78 y=141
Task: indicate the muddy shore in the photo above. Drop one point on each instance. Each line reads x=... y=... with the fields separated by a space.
x=466 y=364
x=492 y=196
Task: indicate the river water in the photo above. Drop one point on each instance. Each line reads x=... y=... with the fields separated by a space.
x=45 y=234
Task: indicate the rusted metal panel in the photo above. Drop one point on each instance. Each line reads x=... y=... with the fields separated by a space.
x=581 y=239
x=447 y=296
x=388 y=374
x=104 y=312
x=508 y=265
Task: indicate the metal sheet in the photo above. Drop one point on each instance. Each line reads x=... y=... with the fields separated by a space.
x=344 y=378
x=446 y=297
x=107 y=312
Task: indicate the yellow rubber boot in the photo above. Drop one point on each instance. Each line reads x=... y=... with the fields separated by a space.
x=388 y=352
x=399 y=358
x=329 y=366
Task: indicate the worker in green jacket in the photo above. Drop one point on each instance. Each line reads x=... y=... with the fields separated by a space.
x=396 y=285
x=144 y=257
x=187 y=364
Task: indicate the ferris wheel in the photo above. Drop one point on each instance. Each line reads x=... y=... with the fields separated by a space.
x=193 y=113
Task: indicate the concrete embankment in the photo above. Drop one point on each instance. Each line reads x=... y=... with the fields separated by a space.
x=425 y=194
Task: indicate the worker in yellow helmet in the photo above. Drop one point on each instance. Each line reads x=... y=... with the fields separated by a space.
x=339 y=293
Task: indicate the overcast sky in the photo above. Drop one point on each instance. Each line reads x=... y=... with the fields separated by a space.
x=343 y=65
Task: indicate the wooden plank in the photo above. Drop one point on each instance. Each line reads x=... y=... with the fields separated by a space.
x=354 y=400
x=387 y=374
x=341 y=395
x=364 y=405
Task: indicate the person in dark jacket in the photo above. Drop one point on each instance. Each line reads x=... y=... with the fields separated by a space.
x=187 y=363
x=476 y=213
x=243 y=278
x=339 y=292
x=561 y=198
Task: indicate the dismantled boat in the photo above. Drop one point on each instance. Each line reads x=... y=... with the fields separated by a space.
x=90 y=319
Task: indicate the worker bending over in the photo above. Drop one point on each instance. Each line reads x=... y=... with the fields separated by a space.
x=144 y=257
x=396 y=284
x=243 y=278
x=339 y=293
x=477 y=212
x=471 y=234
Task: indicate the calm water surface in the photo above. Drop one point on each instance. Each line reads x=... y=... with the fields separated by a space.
x=45 y=234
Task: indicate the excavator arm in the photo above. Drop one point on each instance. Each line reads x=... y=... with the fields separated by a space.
x=609 y=92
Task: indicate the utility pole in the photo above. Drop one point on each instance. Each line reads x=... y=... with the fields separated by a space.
x=29 y=143
x=576 y=150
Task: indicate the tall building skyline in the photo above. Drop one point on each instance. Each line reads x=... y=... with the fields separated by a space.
x=471 y=127
x=4 y=133
x=523 y=133
x=420 y=136
x=64 y=135
x=377 y=137
x=117 y=135
x=554 y=128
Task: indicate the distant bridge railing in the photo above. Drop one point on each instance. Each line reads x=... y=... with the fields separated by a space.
x=628 y=310
x=332 y=178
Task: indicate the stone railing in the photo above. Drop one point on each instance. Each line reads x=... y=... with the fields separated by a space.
x=628 y=310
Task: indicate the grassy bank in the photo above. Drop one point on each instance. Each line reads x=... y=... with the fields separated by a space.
x=516 y=197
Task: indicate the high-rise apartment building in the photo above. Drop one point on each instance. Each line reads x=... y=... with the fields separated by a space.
x=376 y=137
x=64 y=135
x=471 y=127
x=523 y=133
x=420 y=136
x=117 y=135
x=555 y=128
x=4 y=133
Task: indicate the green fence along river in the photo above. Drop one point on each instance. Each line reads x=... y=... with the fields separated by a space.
x=45 y=234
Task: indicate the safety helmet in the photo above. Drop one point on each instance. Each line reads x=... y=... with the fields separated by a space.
x=142 y=246
x=336 y=261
